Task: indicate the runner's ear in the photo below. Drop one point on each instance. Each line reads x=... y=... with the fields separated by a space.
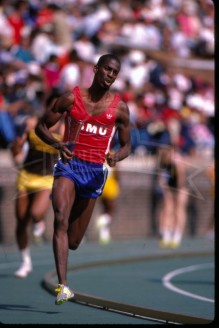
x=95 y=69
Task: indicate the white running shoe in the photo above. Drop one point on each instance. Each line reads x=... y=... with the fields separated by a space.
x=24 y=270
x=64 y=293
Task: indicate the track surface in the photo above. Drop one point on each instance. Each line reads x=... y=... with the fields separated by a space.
x=134 y=273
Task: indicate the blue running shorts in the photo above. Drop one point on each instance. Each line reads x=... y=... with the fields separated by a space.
x=89 y=178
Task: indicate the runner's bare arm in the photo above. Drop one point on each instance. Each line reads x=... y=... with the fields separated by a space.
x=123 y=128
x=51 y=117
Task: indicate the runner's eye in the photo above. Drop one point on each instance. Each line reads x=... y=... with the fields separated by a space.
x=109 y=69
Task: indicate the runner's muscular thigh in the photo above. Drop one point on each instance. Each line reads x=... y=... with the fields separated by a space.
x=63 y=196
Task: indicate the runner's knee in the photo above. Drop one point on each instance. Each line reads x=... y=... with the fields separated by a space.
x=60 y=222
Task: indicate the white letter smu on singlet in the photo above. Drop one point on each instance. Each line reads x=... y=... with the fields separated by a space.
x=94 y=129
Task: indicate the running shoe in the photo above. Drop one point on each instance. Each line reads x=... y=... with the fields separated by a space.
x=163 y=243
x=63 y=294
x=24 y=270
x=174 y=244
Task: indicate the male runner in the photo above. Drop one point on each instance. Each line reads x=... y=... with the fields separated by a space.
x=92 y=118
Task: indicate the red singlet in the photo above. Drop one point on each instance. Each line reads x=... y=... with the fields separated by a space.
x=96 y=133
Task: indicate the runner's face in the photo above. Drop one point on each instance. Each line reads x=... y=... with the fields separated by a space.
x=107 y=73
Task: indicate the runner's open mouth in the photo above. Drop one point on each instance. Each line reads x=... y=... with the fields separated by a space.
x=108 y=82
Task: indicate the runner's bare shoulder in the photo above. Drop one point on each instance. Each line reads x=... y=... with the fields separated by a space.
x=122 y=112
x=65 y=102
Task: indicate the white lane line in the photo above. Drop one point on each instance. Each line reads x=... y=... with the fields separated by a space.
x=166 y=280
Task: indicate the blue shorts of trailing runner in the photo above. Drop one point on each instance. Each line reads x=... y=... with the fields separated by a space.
x=89 y=178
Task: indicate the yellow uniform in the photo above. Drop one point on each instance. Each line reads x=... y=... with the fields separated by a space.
x=111 y=189
x=37 y=170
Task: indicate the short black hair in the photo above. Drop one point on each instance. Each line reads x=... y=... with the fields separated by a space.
x=105 y=58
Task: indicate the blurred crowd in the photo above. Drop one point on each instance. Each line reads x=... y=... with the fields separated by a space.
x=47 y=47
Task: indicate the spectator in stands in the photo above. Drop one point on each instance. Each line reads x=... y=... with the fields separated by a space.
x=70 y=72
x=22 y=50
x=51 y=73
x=16 y=19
